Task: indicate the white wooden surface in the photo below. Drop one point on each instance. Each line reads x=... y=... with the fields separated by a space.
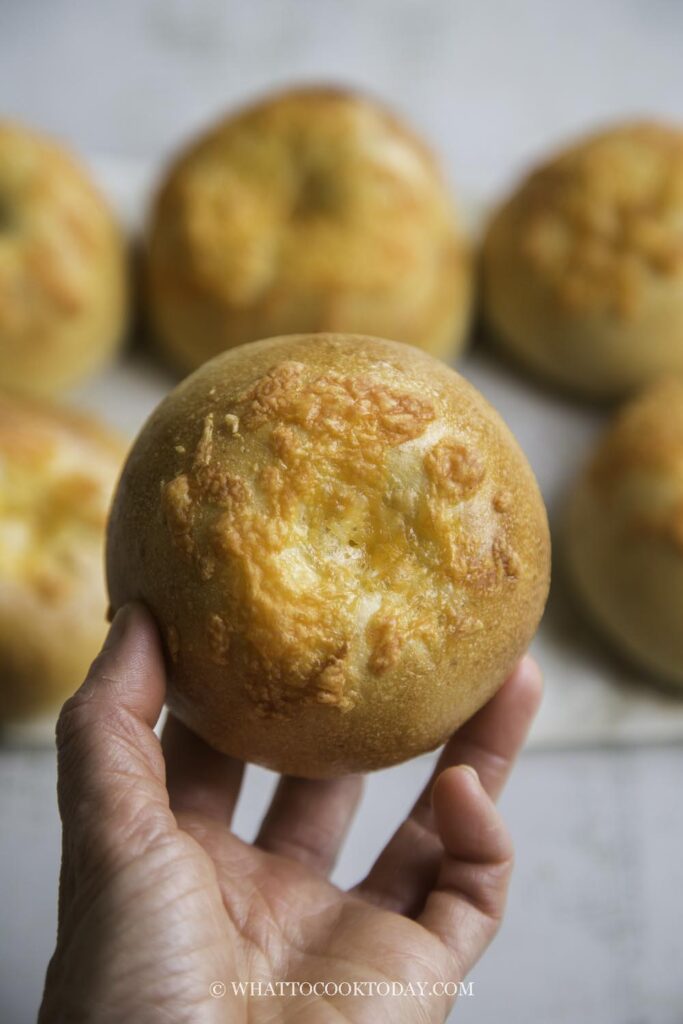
x=593 y=933
x=593 y=929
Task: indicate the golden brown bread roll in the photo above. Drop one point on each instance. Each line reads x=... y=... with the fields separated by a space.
x=312 y=210
x=62 y=267
x=344 y=547
x=625 y=531
x=583 y=265
x=57 y=474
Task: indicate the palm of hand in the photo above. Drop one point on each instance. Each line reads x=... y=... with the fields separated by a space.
x=165 y=914
x=284 y=922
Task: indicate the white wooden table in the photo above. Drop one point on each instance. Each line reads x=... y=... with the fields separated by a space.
x=593 y=932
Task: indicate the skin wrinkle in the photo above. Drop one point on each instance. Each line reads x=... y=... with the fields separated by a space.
x=315 y=841
x=241 y=921
x=493 y=764
x=304 y=850
x=95 y=901
x=135 y=786
x=348 y=962
x=451 y=918
x=174 y=866
x=115 y=726
x=106 y=867
x=426 y=837
x=488 y=906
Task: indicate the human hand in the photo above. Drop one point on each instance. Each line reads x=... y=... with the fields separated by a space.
x=159 y=899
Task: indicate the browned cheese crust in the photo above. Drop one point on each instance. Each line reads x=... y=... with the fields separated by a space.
x=625 y=536
x=583 y=265
x=343 y=545
x=312 y=210
x=57 y=474
x=62 y=267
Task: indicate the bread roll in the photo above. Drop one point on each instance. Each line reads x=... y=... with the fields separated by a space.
x=57 y=474
x=625 y=532
x=583 y=265
x=312 y=210
x=62 y=267
x=344 y=547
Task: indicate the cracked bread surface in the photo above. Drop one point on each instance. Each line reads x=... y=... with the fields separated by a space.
x=343 y=545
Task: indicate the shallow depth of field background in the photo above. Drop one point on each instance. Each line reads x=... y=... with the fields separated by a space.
x=594 y=928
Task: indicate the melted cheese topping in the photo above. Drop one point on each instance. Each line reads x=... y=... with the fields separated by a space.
x=605 y=217
x=363 y=517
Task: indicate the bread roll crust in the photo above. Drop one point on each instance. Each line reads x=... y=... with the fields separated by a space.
x=625 y=531
x=343 y=545
x=62 y=267
x=58 y=474
x=312 y=210
x=583 y=265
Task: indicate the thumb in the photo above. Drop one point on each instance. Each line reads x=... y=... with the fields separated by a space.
x=111 y=777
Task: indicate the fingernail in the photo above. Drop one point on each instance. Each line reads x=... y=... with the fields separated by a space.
x=528 y=666
x=119 y=626
x=472 y=772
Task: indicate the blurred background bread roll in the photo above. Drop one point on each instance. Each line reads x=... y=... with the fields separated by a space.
x=314 y=209
x=57 y=474
x=625 y=532
x=583 y=264
x=63 y=287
